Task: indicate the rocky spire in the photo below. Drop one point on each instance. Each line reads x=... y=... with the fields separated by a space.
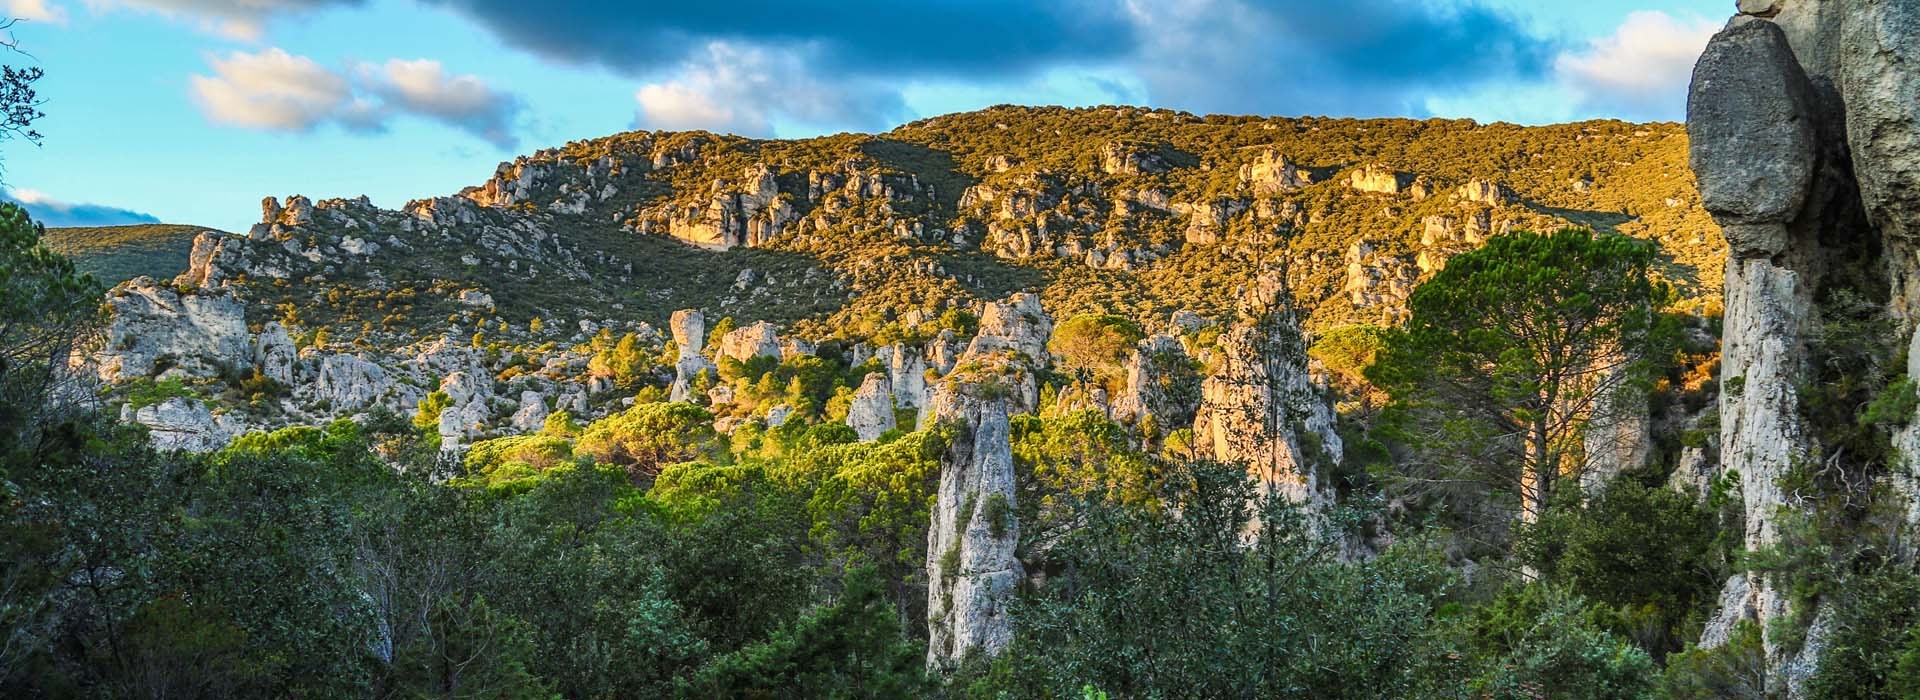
x=971 y=568
x=1259 y=407
x=1803 y=139
x=689 y=334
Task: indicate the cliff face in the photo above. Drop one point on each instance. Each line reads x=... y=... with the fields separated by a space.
x=1804 y=138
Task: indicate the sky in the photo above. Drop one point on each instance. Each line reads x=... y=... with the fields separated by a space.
x=191 y=111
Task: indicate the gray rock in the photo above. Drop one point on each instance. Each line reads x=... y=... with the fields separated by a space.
x=200 y=333
x=532 y=414
x=1752 y=135
x=759 y=339
x=350 y=382
x=184 y=424
x=1259 y=404
x=871 y=413
x=274 y=353
x=972 y=572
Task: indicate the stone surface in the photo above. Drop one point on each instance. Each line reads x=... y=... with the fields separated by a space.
x=907 y=370
x=1378 y=179
x=274 y=354
x=155 y=329
x=350 y=382
x=1751 y=134
x=1019 y=325
x=532 y=414
x=871 y=412
x=185 y=424
x=689 y=328
x=1260 y=407
x=1161 y=384
x=759 y=339
x=972 y=573
x=1271 y=173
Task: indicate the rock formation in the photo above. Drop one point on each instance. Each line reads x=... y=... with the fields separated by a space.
x=1260 y=407
x=1807 y=152
x=1378 y=179
x=1272 y=174
x=196 y=334
x=689 y=334
x=1161 y=384
x=758 y=339
x=972 y=572
x=871 y=413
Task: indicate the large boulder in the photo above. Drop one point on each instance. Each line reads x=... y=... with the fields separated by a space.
x=185 y=424
x=1750 y=130
x=1018 y=324
x=156 y=329
x=274 y=353
x=759 y=339
x=350 y=382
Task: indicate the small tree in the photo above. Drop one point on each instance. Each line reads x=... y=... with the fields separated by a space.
x=1512 y=349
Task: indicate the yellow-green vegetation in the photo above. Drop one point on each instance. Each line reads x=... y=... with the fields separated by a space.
x=118 y=253
x=890 y=231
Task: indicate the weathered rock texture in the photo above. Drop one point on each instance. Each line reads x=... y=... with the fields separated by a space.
x=1259 y=407
x=972 y=572
x=871 y=413
x=1804 y=138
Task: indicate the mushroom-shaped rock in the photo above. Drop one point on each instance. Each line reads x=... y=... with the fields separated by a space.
x=1751 y=135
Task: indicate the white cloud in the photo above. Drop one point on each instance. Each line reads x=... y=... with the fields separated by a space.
x=240 y=19
x=273 y=89
x=423 y=87
x=748 y=90
x=36 y=11
x=1641 y=70
x=277 y=91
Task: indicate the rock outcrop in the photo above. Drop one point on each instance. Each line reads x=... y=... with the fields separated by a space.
x=972 y=572
x=181 y=423
x=157 y=330
x=759 y=339
x=1805 y=143
x=1377 y=179
x=1260 y=407
x=1273 y=174
x=1162 y=384
x=871 y=412
x=689 y=329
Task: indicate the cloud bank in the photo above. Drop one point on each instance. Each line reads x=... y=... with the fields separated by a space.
x=275 y=90
x=54 y=213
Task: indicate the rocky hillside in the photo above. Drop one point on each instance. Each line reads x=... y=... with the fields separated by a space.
x=503 y=295
x=115 y=254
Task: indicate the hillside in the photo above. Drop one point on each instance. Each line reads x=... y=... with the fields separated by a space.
x=115 y=254
x=861 y=242
x=1132 y=211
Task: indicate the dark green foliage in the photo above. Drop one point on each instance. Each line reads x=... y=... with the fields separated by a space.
x=1511 y=350
x=1737 y=669
x=1649 y=554
x=1143 y=603
x=852 y=647
x=1537 y=641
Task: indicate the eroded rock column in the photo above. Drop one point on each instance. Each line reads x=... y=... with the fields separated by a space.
x=972 y=572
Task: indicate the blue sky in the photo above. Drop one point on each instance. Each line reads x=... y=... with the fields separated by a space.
x=190 y=111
